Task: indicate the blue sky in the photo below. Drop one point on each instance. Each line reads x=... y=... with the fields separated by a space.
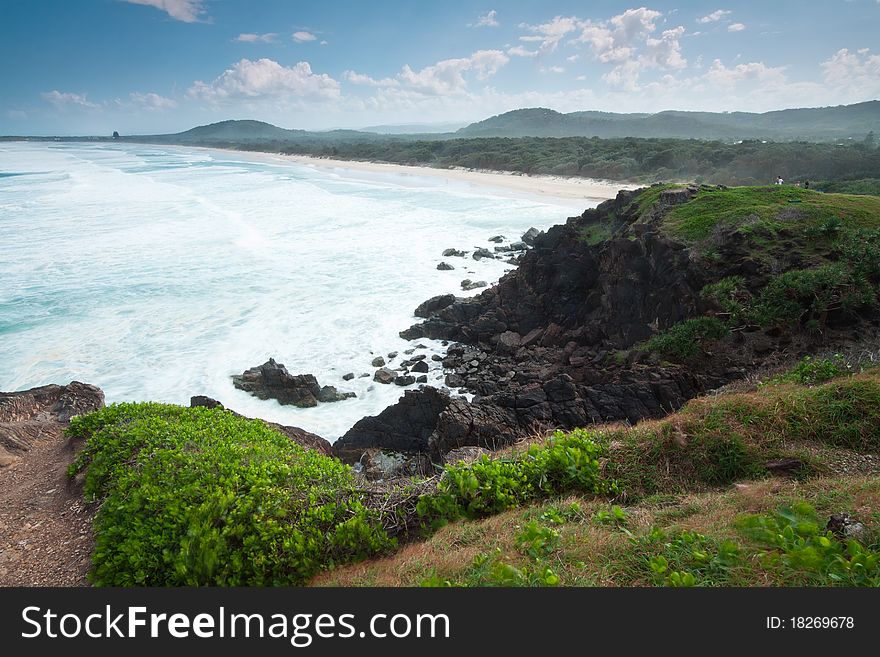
x=142 y=66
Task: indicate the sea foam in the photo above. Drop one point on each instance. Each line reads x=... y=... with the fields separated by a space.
x=158 y=272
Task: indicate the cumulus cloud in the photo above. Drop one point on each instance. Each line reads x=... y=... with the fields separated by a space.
x=266 y=79
x=303 y=36
x=550 y=34
x=853 y=71
x=489 y=19
x=447 y=76
x=63 y=100
x=519 y=51
x=715 y=16
x=151 y=101
x=248 y=37
x=719 y=74
x=187 y=11
x=736 y=27
x=366 y=80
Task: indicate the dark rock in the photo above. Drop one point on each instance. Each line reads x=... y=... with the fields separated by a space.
x=378 y=361
x=454 y=381
x=468 y=284
x=530 y=235
x=384 y=375
x=331 y=394
x=434 y=304
x=454 y=253
x=405 y=380
x=348 y=377
x=392 y=355
x=518 y=246
x=445 y=266
x=420 y=366
x=482 y=252
x=497 y=239
x=204 y=402
x=271 y=380
x=406 y=426
x=422 y=379
x=846 y=527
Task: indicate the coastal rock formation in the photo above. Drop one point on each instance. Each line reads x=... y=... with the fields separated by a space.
x=41 y=413
x=271 y=380
x=297 y=435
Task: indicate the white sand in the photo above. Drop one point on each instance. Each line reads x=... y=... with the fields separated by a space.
x=548 y=186
x=567 y=190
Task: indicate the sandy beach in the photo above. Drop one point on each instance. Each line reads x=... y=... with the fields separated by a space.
x=547 y=186
x=568 y=190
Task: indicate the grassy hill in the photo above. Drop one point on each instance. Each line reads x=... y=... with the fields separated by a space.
x=824 y=123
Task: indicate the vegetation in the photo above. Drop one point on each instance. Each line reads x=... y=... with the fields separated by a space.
x=683 y=525
x=684 y=339
x=196 y=496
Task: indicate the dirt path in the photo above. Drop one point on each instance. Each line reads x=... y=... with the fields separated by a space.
x=45 y=527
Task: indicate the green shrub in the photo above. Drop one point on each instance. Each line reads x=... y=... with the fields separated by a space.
x=797 y=544
x=196 y=496
x=732 y=296
x=803 y=295
x=566 y=463
x=812 y=371
x=683 y=340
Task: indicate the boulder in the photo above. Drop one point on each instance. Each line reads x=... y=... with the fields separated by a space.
x=384 y=375
x=530 y=235
x=378 y=361
x=404 y=380
x=420 y=366
x=468 y=284
x=434 y=304
x=445 y=266
x=348 y=377
x=482 y=252
x=271 y=380
x=454 y=253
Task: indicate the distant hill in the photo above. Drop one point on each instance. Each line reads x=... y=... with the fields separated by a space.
x=823 y=123
x=235 y=130
x=414 y=128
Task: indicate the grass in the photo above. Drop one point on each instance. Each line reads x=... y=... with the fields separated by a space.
x=770 y=207
x=699 y=497
x=593 y=553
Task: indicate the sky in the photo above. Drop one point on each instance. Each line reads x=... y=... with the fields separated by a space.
x=156 y=66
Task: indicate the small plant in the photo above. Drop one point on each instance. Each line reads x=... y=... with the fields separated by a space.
x=797 y=544
x=615 y=516
x=685 y=339
x=566 y=463
x=812 y=371
x=732 y=296
x=536 y=540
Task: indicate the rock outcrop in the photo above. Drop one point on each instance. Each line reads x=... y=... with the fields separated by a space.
x=271 y=380
x=41 y=413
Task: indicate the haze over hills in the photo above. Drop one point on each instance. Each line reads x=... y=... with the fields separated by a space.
x=822 y=123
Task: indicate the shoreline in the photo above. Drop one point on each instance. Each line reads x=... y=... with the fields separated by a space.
x=544 y=187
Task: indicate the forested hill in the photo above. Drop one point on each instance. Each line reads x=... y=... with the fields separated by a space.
x=824 y=123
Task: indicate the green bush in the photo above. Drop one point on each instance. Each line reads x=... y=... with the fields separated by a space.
x=196 y=496
x=805 y=295
x=797 y=544
x=812 y=371
x=683 y=340
x=567 y=463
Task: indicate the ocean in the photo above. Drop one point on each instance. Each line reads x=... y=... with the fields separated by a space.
x=157 y=272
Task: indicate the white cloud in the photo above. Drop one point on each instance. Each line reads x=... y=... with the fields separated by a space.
x=446 y=77
x=187 y=11
x=151 y=101
x=303 y=36
x=549 y=34
x=721 y=75
x=268 y=37
x=552 y=69
x=853 y=72
x=266 y=79
x=715 y=16
x=736 y=27
x=489 y=19
x=67 y=99
x=519 y=51
x=359 y=78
